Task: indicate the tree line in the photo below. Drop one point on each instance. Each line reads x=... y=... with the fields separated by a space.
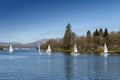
x=91 y=42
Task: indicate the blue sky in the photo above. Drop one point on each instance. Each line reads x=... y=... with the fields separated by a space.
x=30 y=20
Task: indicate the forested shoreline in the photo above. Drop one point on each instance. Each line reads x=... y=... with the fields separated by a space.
x=91 y=42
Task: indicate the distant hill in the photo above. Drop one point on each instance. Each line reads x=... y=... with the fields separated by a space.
x=34 y=44
x=21 y=45
x=6 y=44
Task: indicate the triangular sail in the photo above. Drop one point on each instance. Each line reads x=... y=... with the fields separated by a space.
x=49 y=49
x=75 y=49
x=10 y=49
x=38 y=48
x=105 y=53
x=105 y=48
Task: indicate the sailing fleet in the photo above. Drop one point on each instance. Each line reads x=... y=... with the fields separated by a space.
x=73 y=53
x=48 y=51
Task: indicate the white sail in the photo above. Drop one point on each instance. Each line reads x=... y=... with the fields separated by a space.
x=105 y=54
x=105 y=48
x=38 y=48
x=75 y=49
x=10 y=49
x=49 y=49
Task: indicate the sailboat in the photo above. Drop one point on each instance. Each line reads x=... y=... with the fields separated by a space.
x=48 y=50
x=105 y=48
x=105 y=54
x=75 y=51
x=38 y=49
x=10 y=49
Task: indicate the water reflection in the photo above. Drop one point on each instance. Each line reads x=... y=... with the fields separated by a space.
x=105 y=65
x=68 y=68
x=49 y=67
x=75 y=67
x=44 y=69
x=59 y=67
x=11 y=57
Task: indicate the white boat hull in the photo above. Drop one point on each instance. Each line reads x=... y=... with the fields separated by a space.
x=75 y=54
x=105 y=54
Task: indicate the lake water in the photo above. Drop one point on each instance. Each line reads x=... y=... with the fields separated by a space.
x=27 y=65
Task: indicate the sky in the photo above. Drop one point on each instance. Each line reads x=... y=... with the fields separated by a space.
x=31 y=20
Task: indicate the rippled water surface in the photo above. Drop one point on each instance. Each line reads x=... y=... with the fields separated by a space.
x=27 y=65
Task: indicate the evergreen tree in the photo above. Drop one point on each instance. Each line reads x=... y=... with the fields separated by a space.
x=105 y=33
x=89 y=39
x=101 y=32
x=101 y=36
x=73 y=38
x=88 y=32
x=96 y=38
x=67 y=38
x=96 y=33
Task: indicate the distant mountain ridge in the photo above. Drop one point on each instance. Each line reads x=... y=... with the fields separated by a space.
x=21 y=45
